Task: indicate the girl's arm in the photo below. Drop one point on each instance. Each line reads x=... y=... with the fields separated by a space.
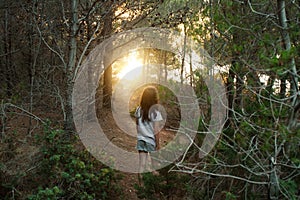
x=156 y=134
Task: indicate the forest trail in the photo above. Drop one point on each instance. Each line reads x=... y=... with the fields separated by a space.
x=126 y=142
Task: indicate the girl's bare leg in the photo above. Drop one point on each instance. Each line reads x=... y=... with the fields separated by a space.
x=154 y=164
x=143 y=158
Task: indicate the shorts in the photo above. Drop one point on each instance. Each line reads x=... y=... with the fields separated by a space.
x=144 y=146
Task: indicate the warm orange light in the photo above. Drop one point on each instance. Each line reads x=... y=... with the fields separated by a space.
x=133 y=69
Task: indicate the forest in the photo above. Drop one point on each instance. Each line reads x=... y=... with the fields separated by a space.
x=228 y=77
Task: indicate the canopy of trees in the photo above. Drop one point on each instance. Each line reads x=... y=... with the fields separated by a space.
x=254 y=43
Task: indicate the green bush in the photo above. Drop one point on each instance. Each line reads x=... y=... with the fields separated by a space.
x=163 y=186
x=68 y=171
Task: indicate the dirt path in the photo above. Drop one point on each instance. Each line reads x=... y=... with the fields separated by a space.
x=127 y=142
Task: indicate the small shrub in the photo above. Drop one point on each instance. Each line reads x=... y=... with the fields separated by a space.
x=68 y=171
x=163 y=186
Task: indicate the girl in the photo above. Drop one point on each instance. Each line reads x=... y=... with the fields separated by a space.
x=148 y=119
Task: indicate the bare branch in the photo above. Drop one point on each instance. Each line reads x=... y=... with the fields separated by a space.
x=25 y=111
x=51 y=49
x=260 y=13
x=85 y=49
x=189 y=170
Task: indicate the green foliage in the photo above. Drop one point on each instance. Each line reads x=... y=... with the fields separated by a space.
x=163 y=186
x=290 y=188
x=48 y=193
x=230 y=196
x=166 y=96
x=70 y=171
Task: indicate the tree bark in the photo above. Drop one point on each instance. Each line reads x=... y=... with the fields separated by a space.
x=34 y=49
x=7 y=53
x=165 y=66
x=191 y=69
x=230 y=92
x=69 y=124
x=292 y=65
x=270 y=83
x=183 y=56
x=107 y=88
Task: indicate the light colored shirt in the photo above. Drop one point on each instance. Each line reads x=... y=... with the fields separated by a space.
x=145 y=130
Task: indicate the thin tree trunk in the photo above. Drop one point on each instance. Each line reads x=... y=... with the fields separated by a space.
x=191 y=69
x=161 y=67
x=230 y=92
x=270 y=83
x=239 y=91
x=283 y=87
x=165 y=66
x=292 y=65
x=146 y=53
x=107 y=88
x=33 y=56
x=7 y=51
x=273 y=182
x=183 y=57
x=69 y=125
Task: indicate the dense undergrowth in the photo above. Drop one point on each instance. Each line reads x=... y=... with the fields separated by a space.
x=256 y=156
x=63 y=169
x=166 y=185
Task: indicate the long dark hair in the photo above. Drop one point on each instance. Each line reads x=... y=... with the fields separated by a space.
x=148 y=99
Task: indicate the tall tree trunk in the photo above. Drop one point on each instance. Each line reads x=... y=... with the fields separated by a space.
x=239 y=90
x=34 y=49
x=165 y=66
x=283 y=87
x=161 y=67
x=273 y=182
x=7 y=53
x=191 y=69
x=183 y=56
x=107 y=89
x=230 y=92
x=238 y=68
x=146 y=53
x=69 y=125
x=107 y=30
x=270 y=83
x=292 y=65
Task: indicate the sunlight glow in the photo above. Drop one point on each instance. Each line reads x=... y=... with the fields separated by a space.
x=133 y=69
